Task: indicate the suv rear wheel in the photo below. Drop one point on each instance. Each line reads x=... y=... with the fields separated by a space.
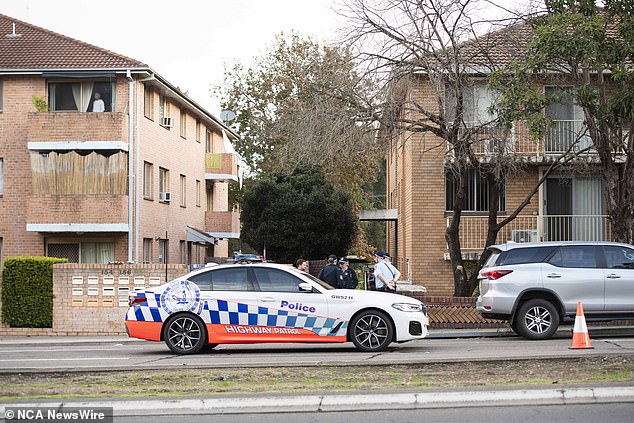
x=537 y=319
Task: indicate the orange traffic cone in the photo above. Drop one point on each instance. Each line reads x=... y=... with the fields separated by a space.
x=580 y=335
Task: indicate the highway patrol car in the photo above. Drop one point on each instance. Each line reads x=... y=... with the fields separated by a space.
x=262 y=302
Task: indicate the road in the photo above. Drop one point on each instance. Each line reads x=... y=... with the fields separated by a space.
x=123 y=354
x=604 y=413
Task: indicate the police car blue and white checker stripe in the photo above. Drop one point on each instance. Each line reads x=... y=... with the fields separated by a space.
x=216 y=311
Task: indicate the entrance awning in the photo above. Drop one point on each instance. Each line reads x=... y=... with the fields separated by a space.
x=196 y=235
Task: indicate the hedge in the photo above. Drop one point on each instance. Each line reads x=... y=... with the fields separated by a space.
x=27 y=291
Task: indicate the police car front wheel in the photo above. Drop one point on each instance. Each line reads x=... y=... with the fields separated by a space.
x=371 y=330
x=185 y=334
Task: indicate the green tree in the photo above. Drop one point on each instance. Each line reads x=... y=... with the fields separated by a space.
x=587 y=50
x=297 y=214
x=303 y=103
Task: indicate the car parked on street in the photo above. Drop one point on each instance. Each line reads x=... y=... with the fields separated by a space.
x=264 y=302
x=535 y=286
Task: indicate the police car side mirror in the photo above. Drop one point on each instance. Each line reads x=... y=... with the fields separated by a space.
x=305 y=287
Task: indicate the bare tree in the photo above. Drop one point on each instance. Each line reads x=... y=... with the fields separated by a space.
x=446 y=49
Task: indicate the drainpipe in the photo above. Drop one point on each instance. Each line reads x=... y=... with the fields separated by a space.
x=138 y=164
x=131 y=184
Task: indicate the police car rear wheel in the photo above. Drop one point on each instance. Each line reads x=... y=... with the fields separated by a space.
x=185 y=334
x=371 y=331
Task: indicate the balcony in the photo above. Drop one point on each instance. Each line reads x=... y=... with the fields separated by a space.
x=223 y=224
x=77 y=213
x=221 y=167
x=77 y=127
x=473 y=229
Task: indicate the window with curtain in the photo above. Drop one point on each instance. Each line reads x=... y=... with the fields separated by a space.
x=477 y=195
x=568 y=121
x=476 y=99
x=197 y=130
x=147 y=250
x=163 y=180
x=197 y=193
x=148 y=173
x=208 y=141
x=148 y=102
x=183 y=193
x=183 y=124
x=97 y=252
x=80 y=95
x=1 y=94
x=163 y=250
x=1 y=176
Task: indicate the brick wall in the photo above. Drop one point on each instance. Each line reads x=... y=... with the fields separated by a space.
x=93 y=299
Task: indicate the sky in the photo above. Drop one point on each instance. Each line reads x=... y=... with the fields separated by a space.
x=189 y=42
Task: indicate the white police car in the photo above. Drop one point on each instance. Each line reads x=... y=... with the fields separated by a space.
x=261 y=302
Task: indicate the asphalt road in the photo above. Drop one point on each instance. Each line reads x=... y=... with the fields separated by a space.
x=22 y=355
x=605 y=413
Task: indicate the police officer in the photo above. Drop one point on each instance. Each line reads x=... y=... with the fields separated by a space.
x=347 y=276
x=330 y=272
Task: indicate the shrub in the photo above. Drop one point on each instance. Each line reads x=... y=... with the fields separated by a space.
x=27 y=291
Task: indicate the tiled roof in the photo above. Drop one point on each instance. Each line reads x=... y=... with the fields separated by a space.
x=37 y=48
x=498 y=49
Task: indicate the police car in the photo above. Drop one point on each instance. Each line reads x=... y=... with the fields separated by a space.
x=263 y=302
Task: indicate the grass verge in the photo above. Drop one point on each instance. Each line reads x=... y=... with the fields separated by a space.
x=245 y=381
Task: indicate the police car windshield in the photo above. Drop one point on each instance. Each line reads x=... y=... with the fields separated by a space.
x=316 y=280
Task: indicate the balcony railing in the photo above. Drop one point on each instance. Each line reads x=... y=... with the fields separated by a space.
x=77 y=126
x=566 y=134
x=473 y=229
x=221 y=166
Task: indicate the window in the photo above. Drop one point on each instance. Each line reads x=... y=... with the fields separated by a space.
x=164 y=181
x=82 y=251
x=208 y=141
x=477 y=195
x=1 y=257
x=210 y=199
x=148 y=172
x=230 y=280
x=197 y=130
x=163 y=246
x=183 y=191
x=147 y=250
x=197 y=193
x=1 y=176
x=164 y=107
x=568 y=127
x=148 y=102
x=578 y=256
x=619 y=257
x=203 y=280
x=80 y=96
x=182 y=247
x=1 y=95
x=524 y=255
x=183 y=123
x=476 y=101
x=273 y=280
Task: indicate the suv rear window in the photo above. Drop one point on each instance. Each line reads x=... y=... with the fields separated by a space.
x=524 y=255
x=577 y=256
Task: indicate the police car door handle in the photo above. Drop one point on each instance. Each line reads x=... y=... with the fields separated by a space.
x=553 y=275
x=613 y=276
x=268 y=299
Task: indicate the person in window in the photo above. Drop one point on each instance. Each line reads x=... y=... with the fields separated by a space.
x=302 y=264
x=330 y=272
x=98 y=105
x=347 y=277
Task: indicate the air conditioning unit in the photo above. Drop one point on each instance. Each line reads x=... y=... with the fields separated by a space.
x=167 y=122
x=165 y=196
x=524 y=235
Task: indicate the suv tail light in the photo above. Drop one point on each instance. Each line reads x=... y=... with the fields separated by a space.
x=496 y=274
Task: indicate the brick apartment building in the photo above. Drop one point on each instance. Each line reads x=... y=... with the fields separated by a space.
x=568 y=206
x=144 y=180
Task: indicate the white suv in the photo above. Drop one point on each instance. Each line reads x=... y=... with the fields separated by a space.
x=535 y=286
